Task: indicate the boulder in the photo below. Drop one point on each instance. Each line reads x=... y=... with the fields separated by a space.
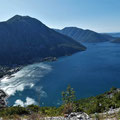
x=79 y=116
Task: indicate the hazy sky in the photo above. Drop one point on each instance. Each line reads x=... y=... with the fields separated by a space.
x=97 y=15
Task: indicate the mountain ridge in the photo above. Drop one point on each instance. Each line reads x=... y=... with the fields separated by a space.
x=82 y=35
x=114 y=34
x=24 y=39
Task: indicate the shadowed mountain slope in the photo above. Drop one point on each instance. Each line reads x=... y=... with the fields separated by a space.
x=26 y=40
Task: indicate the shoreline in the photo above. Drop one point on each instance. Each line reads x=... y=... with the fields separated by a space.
x=9 y=71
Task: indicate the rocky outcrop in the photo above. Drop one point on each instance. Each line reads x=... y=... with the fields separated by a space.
x=79 y=116
x=72 y=116
x=3 y=98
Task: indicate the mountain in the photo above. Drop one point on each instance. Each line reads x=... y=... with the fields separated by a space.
x=26 y=40
x=81 y=35
x=114 y=34
x=116 y=40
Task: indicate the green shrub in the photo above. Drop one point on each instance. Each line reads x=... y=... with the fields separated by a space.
x=13 y=111
x=33 y=108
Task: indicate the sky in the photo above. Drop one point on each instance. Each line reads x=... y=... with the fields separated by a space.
x=97 y=15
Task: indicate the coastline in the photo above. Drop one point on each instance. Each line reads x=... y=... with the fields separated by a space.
x=7 y=71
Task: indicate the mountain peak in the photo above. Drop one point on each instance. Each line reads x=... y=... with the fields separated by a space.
x=75 y=28
x=19 y=18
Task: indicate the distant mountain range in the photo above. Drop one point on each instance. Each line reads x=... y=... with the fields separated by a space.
x=26 y=40
x=114 y=34
x=87 y=36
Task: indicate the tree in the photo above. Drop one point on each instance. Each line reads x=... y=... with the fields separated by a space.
x=68 y=98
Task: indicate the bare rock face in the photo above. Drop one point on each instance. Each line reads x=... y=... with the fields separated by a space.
x=72 y=116
x=3 y=98
x=79 y=116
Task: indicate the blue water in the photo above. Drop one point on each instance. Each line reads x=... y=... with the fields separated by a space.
x=90 y=73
